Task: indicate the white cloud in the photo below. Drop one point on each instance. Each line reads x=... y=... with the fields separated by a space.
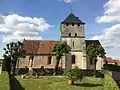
x=110 y=39
x=111 y=12
x=67 y=1
x=16 y=27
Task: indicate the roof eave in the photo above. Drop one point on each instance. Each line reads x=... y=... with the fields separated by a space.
x=72 y=22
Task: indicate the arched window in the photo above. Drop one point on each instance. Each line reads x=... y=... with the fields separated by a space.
x=75 y=34
x=23 y=56
x=78 y=24
x=73 y=59
x=73 y=44
x=91 y=61
x=67 y=24
x=72 y=24
x=49 y=60
x=69 y=34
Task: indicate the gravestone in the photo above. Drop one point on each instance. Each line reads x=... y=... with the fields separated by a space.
x=30 y=73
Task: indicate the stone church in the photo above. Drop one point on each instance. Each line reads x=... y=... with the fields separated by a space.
x=72 y=31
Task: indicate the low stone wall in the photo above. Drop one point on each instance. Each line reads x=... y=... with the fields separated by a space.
x=116 y=75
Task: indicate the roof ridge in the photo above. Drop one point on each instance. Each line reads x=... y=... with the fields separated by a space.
x=41 y=40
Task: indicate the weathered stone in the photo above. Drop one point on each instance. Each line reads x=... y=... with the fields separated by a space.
x=30 y=73
x=76 y=42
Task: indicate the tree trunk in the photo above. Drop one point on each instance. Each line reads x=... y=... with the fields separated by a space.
x=56 y=67
x=9 y=66
x=95 y=61
x=17 y=67
x=13 y=68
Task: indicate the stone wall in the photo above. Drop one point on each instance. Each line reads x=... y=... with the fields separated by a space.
x=77 y=43
x=65 y=30
x=99 y=64
x=39 y=61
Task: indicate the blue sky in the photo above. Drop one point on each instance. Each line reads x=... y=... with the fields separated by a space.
x=52 y=13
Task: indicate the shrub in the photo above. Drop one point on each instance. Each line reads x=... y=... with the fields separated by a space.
x=111 y=67
x=73 y=74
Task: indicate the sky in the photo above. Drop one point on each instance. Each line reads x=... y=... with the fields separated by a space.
x=40 y=19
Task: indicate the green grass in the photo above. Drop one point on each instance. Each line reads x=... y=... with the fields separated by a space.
x=110 y=84
x=59 y=83
x=4 y=81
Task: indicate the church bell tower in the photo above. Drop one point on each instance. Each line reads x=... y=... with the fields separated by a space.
x=72 y=31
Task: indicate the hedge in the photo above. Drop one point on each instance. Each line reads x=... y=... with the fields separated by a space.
x=109 y=83
x=111 y=67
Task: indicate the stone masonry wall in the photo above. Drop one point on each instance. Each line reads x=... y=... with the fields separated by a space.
x=39 y=61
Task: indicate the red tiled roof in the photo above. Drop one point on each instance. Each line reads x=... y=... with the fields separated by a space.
x=38 y=46
x=117 y=61
x=110 y=60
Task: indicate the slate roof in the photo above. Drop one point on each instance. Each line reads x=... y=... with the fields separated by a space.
x=39 y=46
x=72 y=19
x=88 y=42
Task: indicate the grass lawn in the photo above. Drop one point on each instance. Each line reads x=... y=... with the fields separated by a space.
x=59 y=83
x=4 y=81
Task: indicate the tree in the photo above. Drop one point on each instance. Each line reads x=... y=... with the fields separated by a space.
x=60 y=49
x=94 y=51
x=13 y=51
x=6 y=64
x=73 y=75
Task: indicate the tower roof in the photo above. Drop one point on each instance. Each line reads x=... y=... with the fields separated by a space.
x=72 y=19
x=88 y=42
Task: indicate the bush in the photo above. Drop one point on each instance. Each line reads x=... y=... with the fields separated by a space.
x=109 y=83
x=73 y=74
x=111 y=67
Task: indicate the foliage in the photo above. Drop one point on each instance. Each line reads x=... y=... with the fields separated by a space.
x=13 y=51
x=60 y=49
x=4 y=81
x=59 y=83
x=94 y=51
x=73 y=74
x=111 y=67
x=109 y=83
x=6 y=64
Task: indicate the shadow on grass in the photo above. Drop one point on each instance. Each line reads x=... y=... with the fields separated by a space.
x=15 y=84
x=88 y=85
